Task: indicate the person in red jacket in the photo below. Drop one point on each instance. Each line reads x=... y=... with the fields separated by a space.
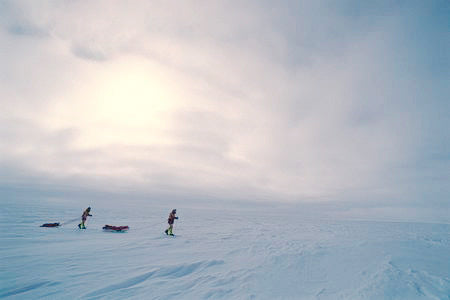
x=170 y=220
x=86 y=213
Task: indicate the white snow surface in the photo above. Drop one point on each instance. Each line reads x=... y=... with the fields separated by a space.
x=234 y=252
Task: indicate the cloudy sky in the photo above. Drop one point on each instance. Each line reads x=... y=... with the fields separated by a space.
x=270 y=100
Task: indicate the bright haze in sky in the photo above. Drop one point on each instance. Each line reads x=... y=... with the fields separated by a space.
x=246 y=100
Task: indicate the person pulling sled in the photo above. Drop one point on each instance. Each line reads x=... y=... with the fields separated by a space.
x=170 y=220
x=86 y=214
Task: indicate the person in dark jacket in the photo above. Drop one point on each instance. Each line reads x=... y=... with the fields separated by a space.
x=170 y=220
x=86 y=214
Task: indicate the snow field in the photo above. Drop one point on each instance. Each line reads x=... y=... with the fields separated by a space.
x=232 y=253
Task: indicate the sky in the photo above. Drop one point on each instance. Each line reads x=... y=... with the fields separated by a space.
x=290 y=101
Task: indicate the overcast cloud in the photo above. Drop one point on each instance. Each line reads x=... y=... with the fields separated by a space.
x=288 y=101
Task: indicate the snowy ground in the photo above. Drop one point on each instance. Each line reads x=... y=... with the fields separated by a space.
x=228 y=253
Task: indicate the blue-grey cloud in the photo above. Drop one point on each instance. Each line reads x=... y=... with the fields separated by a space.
x=89 y=53
x=27 y=30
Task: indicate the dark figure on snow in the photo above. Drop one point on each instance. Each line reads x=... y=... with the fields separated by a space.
x=170 y=220
x=86 y=213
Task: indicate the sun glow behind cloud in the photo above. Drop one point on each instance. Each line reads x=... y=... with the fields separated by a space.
x=125 y=102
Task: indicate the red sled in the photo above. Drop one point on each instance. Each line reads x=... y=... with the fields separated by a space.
x=115 y=228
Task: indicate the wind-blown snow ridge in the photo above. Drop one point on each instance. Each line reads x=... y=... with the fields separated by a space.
x=174 y=272
x=28 y=288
